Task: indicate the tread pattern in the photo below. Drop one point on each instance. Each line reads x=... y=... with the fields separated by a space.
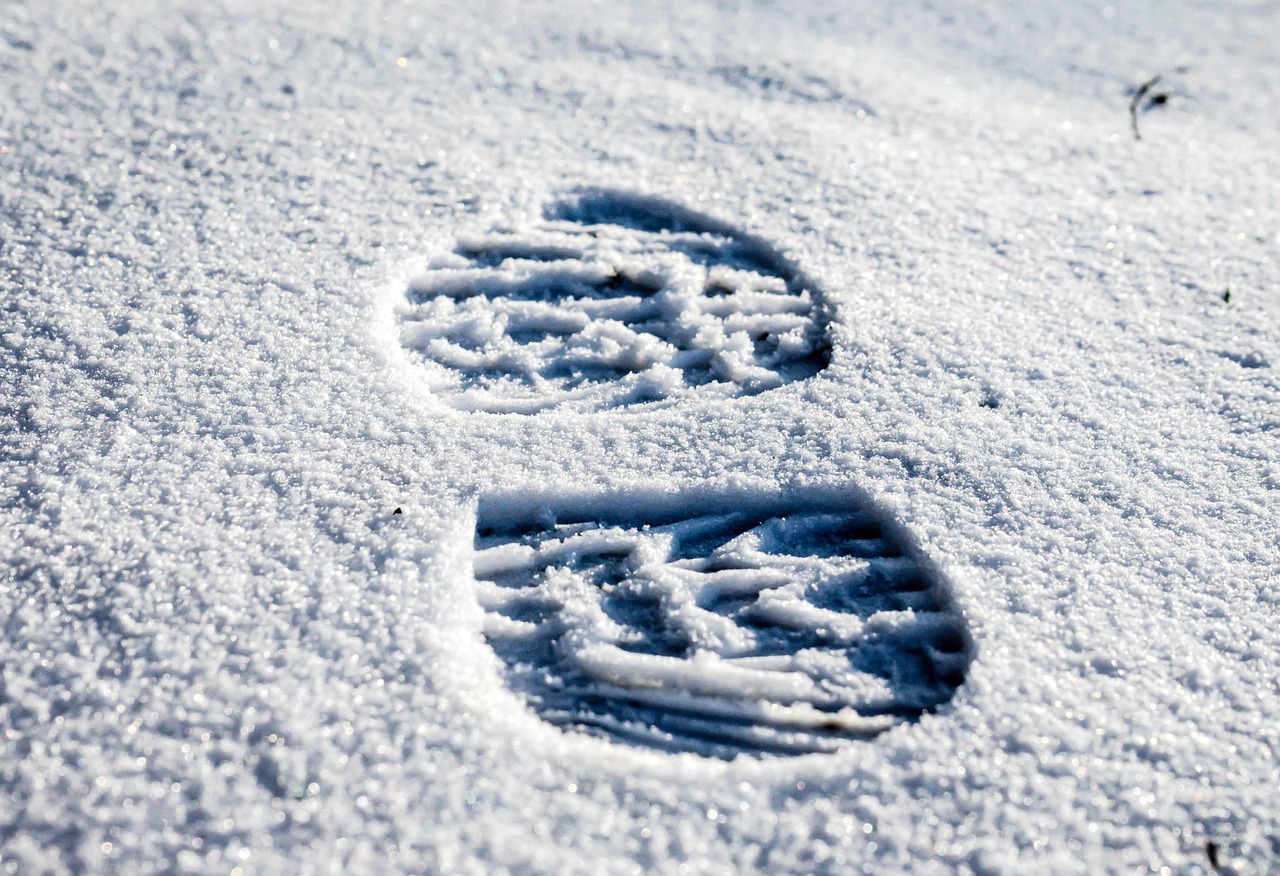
x=774 y=631
x=613 y=300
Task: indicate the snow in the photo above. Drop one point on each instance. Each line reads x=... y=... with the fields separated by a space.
x=739 y=631
x=223 y=649
x=620 y=300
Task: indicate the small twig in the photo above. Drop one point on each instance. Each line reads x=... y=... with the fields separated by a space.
x=1138 y=95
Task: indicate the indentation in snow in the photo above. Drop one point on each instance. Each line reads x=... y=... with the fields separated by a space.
x=758 y=627
x=612 y=300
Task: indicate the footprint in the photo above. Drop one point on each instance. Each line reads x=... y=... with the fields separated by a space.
x=755 y=628
x=613 y=300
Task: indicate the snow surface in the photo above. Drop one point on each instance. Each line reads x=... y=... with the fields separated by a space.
x=726 y=631
x=617 y=300
x=224 y=652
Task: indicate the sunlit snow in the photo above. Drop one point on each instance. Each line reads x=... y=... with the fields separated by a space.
x=626 y=438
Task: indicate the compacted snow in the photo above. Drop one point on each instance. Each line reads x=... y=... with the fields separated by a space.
x=572 y=438
x=628 y=300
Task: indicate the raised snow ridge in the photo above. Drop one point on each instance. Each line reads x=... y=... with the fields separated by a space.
x=612 y=300
x=753 y=627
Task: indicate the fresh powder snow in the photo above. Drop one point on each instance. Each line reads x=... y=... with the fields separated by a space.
x=700 y=438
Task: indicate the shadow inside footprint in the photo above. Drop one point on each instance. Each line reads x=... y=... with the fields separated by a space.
x=613 y=300
x=757 y=627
